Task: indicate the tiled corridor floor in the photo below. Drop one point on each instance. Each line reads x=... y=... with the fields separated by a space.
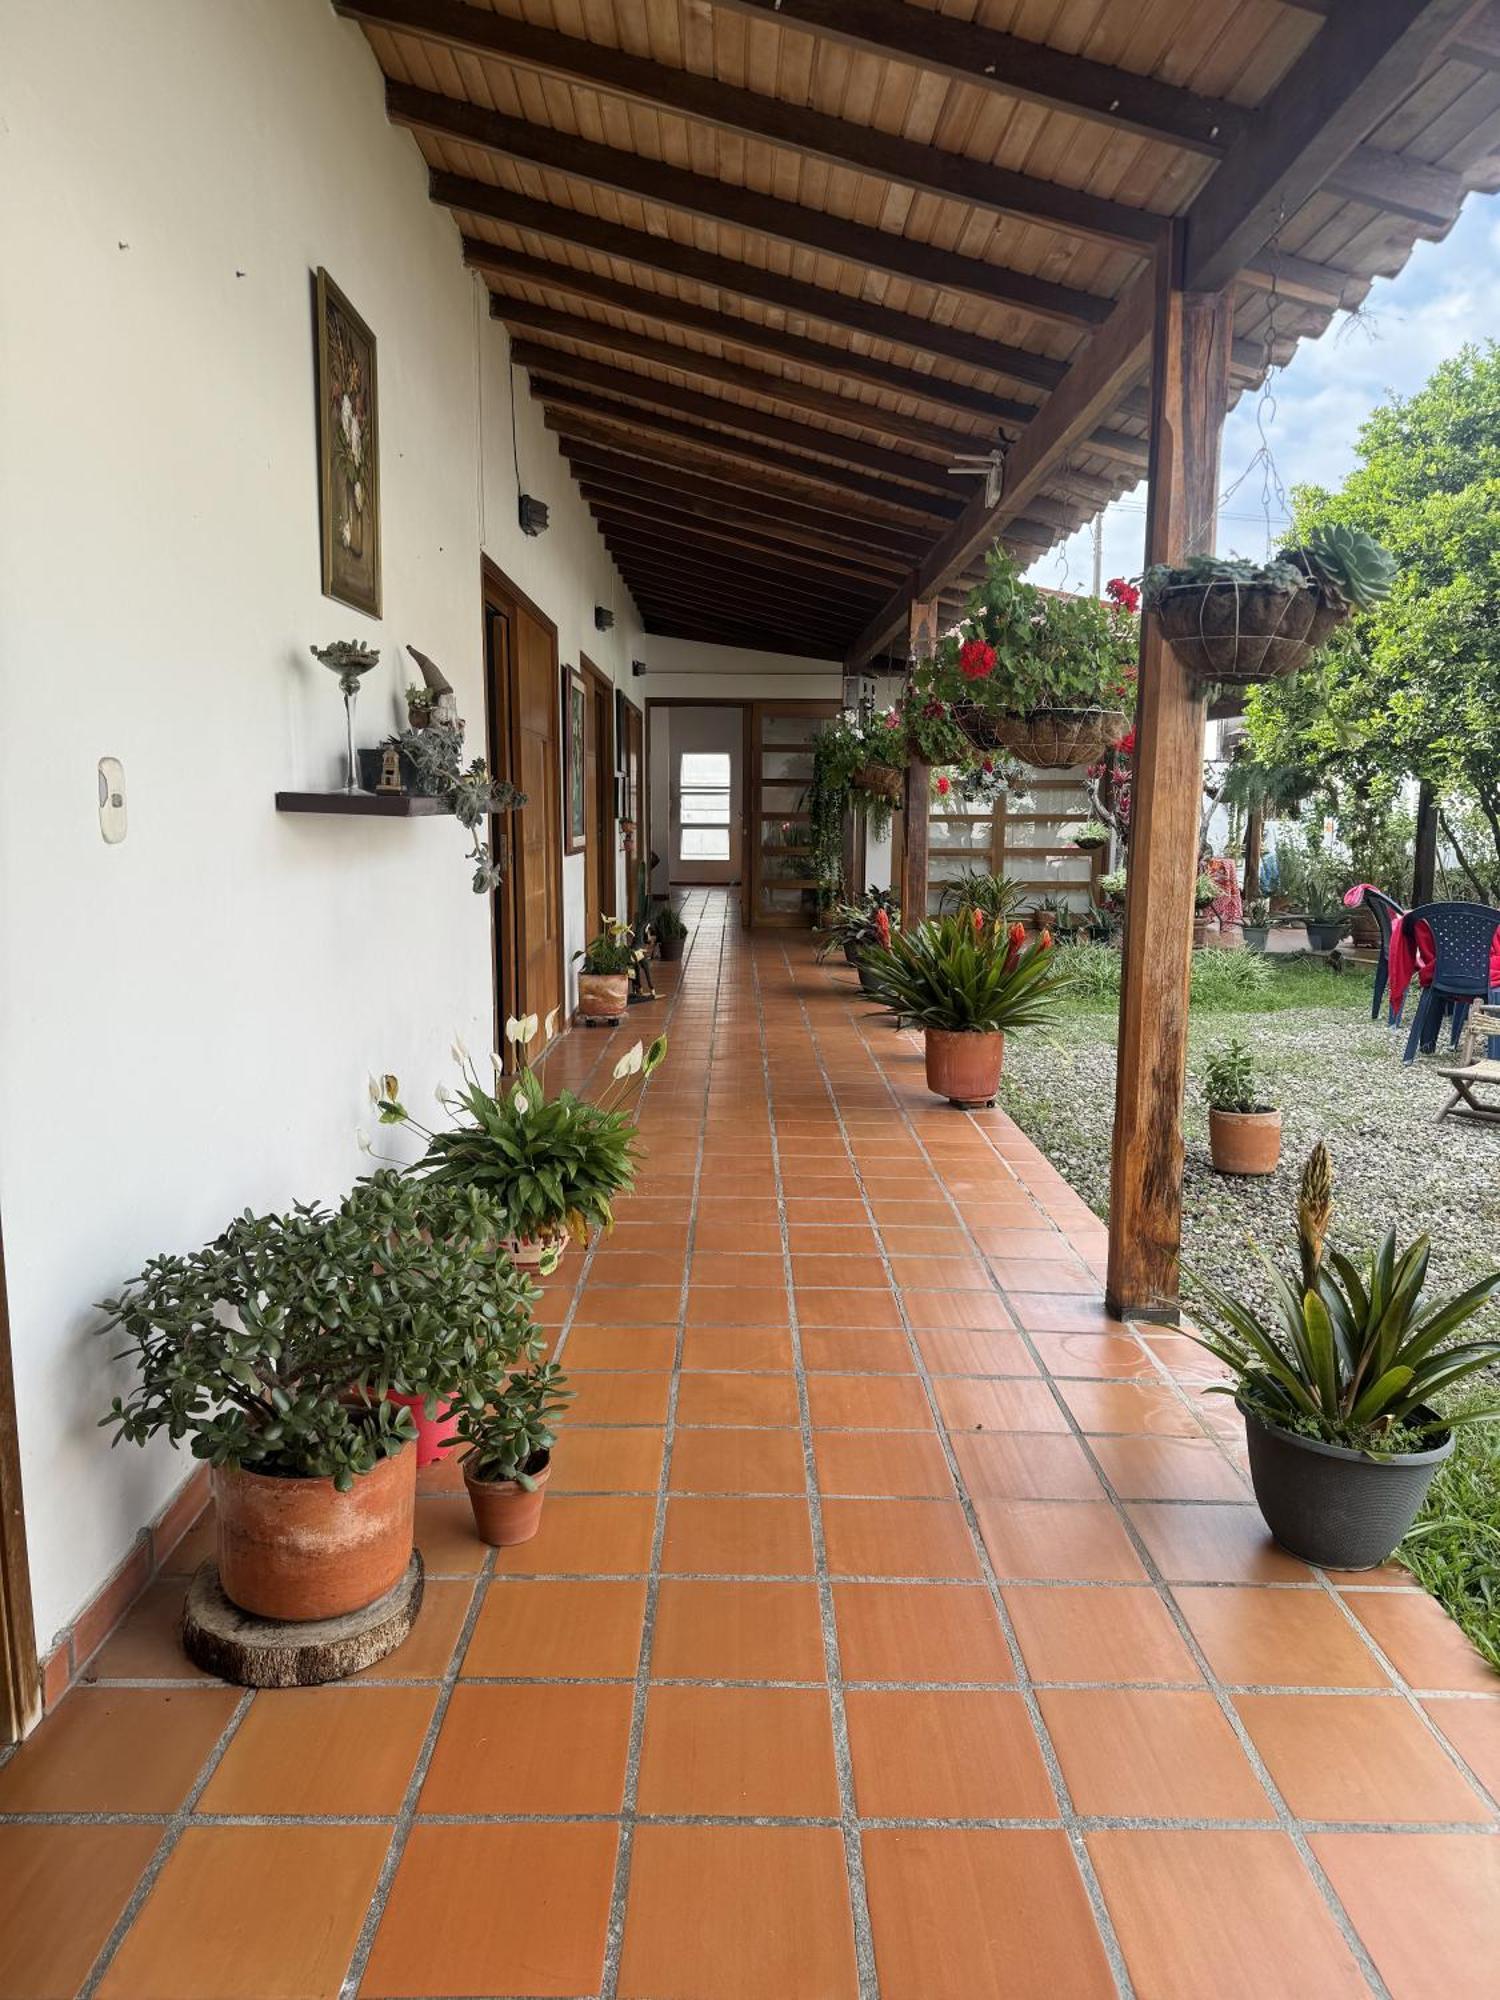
x=899 y=1625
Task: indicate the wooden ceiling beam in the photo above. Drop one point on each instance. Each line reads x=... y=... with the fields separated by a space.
x=670 y=520
x=735 y=495
x=687 y=540
x=541 y=320
x=551 y=365
x=1012 y=67
x=798 y=128
x=623 y=427
x=1363 y=62
x=707 y=199
x=659 y=586
x=735 y=641
x=750 y=281
x=758 y=530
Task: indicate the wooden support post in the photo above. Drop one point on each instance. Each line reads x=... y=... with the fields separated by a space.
x=1255 y=842
x=917 y=804
x=1189 y=395
x=1424 y=871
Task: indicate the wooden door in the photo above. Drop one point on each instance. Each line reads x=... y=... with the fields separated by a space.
x=600 y=892
x=631 y=758
x=20 y=1674
x=784 y=889
x=526 y=747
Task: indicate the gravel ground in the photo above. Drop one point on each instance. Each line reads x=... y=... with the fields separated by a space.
x=1337 y=1076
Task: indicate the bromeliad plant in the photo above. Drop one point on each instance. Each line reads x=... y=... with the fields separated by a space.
x=551 y=1167
x=1354 y=1356
x=853 y=925
x=965 y=974
x=274 y=1346
x=977 y=889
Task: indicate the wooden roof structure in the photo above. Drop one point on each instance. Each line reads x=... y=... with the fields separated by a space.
x=772 y=266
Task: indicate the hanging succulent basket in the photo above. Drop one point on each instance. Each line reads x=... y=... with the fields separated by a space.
x=884 y=780
x=1055 y=739
x=1238 y=633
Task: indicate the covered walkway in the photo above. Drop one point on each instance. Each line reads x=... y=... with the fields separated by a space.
x=899 y=1625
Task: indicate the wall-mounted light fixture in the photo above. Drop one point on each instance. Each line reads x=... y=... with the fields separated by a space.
x=533 y=515
x=604 y=618
x=638 y=667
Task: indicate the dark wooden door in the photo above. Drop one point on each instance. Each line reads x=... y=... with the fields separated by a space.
x=784 y=889
x=600 y=894
x=526 y=745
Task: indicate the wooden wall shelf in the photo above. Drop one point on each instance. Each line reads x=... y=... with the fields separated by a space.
x=369 y=805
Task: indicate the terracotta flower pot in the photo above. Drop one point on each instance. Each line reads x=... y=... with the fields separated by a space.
x=504 y=1512
x=434 y=1434
x=964 y=1066
x=1202 y=925
x=1244 y=1142
x=670 y=949
x=299 y=1549
x=603 y=996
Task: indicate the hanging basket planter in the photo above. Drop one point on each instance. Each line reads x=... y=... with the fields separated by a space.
x=884 y=780
x=1239 y=633
x=1054 y=739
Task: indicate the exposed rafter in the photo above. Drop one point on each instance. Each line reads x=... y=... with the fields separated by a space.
x=711 y=200
x=848 y=564
x=741 y=524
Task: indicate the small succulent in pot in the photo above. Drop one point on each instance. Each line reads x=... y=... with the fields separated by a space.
x=1244 y=1132
x=509 y=1456
x=1348 y=566
x=419 y=704
x=1338 y=1388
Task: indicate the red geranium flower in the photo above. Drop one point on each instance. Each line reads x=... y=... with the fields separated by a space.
x=988 y=767
x=1126 y=745
x=1125 y=594
x=976 y=659
x=944 y=787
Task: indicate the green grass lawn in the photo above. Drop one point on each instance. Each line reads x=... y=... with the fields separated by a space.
x=1337 y=1076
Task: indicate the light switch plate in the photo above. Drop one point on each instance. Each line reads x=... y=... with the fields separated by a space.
x=112 y=820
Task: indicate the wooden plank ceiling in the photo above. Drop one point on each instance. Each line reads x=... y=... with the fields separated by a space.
x=770 y=265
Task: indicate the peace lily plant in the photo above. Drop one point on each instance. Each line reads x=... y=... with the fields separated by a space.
x=552 y=1165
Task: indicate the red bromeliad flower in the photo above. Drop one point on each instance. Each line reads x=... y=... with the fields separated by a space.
x=1044 y=942
x=976 y=659
x=978 y=916
x=944 y=786
x=1125 y=594
x=1018 y=935
x=883 y=929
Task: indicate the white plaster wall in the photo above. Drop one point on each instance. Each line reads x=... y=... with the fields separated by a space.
x=187 y=1020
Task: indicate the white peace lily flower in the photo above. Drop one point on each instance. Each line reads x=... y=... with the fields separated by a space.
x=497 y=1063
x=514 y=1029
x=443 y=1095
x=459 y=1052
x=523 y=1105
x=375 y=1087
x=630 y=1063
x=551 y=1028
x=528 y=1028
x=362 y=1140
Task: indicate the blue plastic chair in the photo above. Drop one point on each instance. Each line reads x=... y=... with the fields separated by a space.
x=1385 y=910
x=1463 y=936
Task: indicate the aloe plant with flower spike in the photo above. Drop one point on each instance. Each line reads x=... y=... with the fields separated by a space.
x=1359 y=1351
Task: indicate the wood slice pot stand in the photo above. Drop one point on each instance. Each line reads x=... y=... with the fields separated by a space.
x=298 y=1549
x=1245 y=1142
x=964 y=1066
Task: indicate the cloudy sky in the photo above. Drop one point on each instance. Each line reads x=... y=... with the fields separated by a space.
x=1449 y=293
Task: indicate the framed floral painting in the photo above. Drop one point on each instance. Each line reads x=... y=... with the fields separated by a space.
x=348 y=449
x=575 y=761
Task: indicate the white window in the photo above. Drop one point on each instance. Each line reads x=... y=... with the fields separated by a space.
x=703 y=797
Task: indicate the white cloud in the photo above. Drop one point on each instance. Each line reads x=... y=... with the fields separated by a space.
x=1449 y=293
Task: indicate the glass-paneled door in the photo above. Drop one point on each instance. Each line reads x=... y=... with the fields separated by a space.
x=783 y=882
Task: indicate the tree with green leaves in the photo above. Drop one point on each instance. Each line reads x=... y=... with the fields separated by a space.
x=1410 y=688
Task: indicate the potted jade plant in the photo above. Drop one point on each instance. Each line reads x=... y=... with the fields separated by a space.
x=670 y=932
x=1205 y=895
x=1257 y=924
x=549 y=1167
x=1338 y=1386
x=508 y=1459
x=1048 y=677
x=604 y=982
x=1244 y=1132
x=966 y=982
x=1234 y=621
x=274 y=1350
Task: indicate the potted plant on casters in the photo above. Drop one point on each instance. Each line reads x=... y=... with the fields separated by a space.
x=509 y=1456
x=1337 y=1387
x=604 y=982
x=1244 y=1134
x=966 y=982
x=549 y=1167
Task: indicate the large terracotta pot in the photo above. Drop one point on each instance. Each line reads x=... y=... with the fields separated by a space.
x=603 y=996
x=504 y=1512
x=1245 y=1142
x=298 y=1549
x=964 y=1066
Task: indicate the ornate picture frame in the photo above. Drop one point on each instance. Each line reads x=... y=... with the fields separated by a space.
x=348 y=449
x=575 y=760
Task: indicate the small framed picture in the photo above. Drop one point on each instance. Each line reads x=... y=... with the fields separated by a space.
x=575 y=760
x=348 y=449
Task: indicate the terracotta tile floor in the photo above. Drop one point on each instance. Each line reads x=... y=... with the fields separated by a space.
x=900 y=1625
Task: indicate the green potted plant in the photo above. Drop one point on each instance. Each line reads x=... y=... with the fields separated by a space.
x=508 y=1459
x=275 y=1351
x=604 y=982
x=419 y=705
x=1338 y=1387
x=1044 y=913
x=966 y=982
x=1205 y=895
x=670 y=932
x=1091 y=835
x=1244 y=1132
x=977 y=889
x=1257 y=924
x=548 y=1167
x=1323 y=909
x=852 y=926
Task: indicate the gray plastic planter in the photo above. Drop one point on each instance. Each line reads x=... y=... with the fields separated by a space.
x=1331 y=1506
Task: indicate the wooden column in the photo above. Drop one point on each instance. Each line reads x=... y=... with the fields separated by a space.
x=1189 y=394
x=1424 y=871
x=1255 y=842
x=917 y=803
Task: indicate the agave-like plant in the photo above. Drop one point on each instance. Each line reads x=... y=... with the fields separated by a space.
x=964 y=973
x=1357 y=1351
x=1348 y=565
